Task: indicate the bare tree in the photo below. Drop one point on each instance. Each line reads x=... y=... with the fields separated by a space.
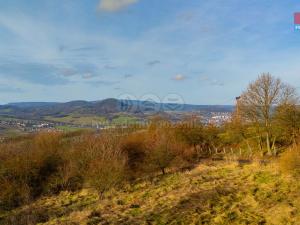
x=258 y=102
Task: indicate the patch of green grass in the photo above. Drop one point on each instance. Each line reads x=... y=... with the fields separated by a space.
x=124 y=120
x=12 y=132
x=264 y=177
x=68 y=128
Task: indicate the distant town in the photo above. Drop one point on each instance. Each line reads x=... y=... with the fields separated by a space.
x=36 y=125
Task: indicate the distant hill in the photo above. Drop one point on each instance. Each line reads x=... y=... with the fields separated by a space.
x=31 y=104
x=38 y=110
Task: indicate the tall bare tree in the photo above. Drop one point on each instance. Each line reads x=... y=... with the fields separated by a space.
x=258 y=102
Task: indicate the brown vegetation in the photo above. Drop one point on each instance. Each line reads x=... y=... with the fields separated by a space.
x=290 y=162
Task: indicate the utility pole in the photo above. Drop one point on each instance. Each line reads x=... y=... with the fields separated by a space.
x=237 y=113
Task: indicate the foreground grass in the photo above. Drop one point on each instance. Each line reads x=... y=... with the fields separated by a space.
x=213 y=193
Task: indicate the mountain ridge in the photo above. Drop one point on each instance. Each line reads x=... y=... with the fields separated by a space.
x=101 y=107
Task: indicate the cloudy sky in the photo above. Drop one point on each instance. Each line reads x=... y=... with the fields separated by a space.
x=205 y=51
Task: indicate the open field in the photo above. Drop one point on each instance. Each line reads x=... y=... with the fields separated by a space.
x=212 y=193
x=78 y=120
x=124 y=120
x=86 y=120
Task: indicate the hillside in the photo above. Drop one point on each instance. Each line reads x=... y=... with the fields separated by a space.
x=106 y=107
x=212 y=193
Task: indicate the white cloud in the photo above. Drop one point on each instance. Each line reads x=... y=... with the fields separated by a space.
x=115 y=5
x=179 y=77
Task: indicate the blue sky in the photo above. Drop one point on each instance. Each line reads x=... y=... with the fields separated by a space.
x=206 y=52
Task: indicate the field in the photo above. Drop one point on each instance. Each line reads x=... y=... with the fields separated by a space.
x=87 y=120
x=78 y=120
x=124 y=120
x=212 y=193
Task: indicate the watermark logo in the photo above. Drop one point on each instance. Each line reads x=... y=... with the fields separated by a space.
x=127 y=102
x=150 y=103
x=173 y=102
x=297 y=21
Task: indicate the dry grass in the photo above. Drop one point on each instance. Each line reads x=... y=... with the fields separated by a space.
x=213 y=193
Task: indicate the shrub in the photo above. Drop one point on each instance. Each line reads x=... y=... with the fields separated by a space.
x=166 y=151
x=290 y=162
x=95 y=160
x=106 y=173
x=106 y=164
x=134 y=147
x=30 y=168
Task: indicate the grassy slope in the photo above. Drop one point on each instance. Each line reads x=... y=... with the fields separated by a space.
x=210 y=194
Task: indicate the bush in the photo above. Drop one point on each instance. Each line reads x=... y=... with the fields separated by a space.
x=290 y=162
x=134 y=147
x=106 y=172
x=104 y=162
x=32 y=167
x=166 y=151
